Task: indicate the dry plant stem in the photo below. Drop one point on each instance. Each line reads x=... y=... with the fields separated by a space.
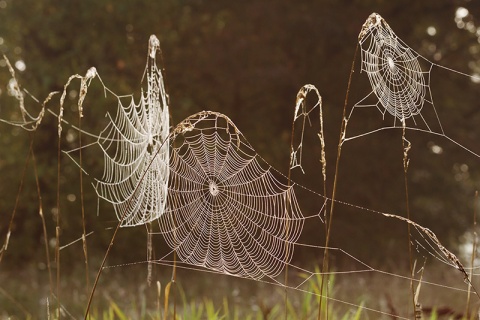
x=300 y=104
x=83 y=91
x=159 y=294
x=57 y=220
x=321 y=135
x=406 y=147
x=44 y=226
x=418 y=306
x=167 y=295
x=97 y=278
x=287 y=207
x=149 y=253
x=329 y=219
x=174 y=282
x=17 y=199
x=28 y=315
x=82 y=202
x=174 y=271
x=474 y=250
x=455 y=262
x=112 y=240
x=174 y=275
x=305 y=112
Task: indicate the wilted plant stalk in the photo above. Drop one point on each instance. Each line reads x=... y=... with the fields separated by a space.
x=474 y=251
x=329 y=218
x=406 y=148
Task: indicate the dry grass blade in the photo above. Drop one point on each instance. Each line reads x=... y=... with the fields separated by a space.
x=302 y=111
x=474 y=251
x=159 y=294
x=167 y=295
x=328 y=220
x=452 y=258
x=149 y=253
x=406 y=161
x=418 y=306
x=4 y=247
x=27 y=313
x=44 y=226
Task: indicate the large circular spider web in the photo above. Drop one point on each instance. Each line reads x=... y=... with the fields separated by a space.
x=228 y=210
x=393 y=69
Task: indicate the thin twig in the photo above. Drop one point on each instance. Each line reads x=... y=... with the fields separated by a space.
x=27 y=313
x=57 y=220
x=44 y=226
x=4 y=247
x=329 y=219
x=474 y=251
x=406 y=145
x=82 y=200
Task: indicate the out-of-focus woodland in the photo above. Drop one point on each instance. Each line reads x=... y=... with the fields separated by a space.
x=246 y=59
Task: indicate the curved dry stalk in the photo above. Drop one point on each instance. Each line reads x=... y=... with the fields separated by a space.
x=296 y=156
x=433 y=237
x=29 y=122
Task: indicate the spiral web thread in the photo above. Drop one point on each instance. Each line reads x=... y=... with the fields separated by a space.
x=135 y=151
x=394 y=71
x=400 y=81
x=227 y=209
x=133 y=144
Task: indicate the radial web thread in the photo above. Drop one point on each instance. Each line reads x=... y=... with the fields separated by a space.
x=399 y=78
x=135 y=150
x=400 y=83
x=228 y=210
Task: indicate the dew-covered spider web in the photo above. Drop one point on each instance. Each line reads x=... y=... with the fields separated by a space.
x=227 y=209
x=394 y=71
x=400 y=81
x=136 y=157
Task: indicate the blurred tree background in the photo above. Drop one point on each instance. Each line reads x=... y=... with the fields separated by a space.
x=246 y=59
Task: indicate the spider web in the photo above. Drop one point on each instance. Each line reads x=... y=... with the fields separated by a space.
x=394 y=71
x=136 y=157
x=227 y=209
x=129 y=144
x=400 y=82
